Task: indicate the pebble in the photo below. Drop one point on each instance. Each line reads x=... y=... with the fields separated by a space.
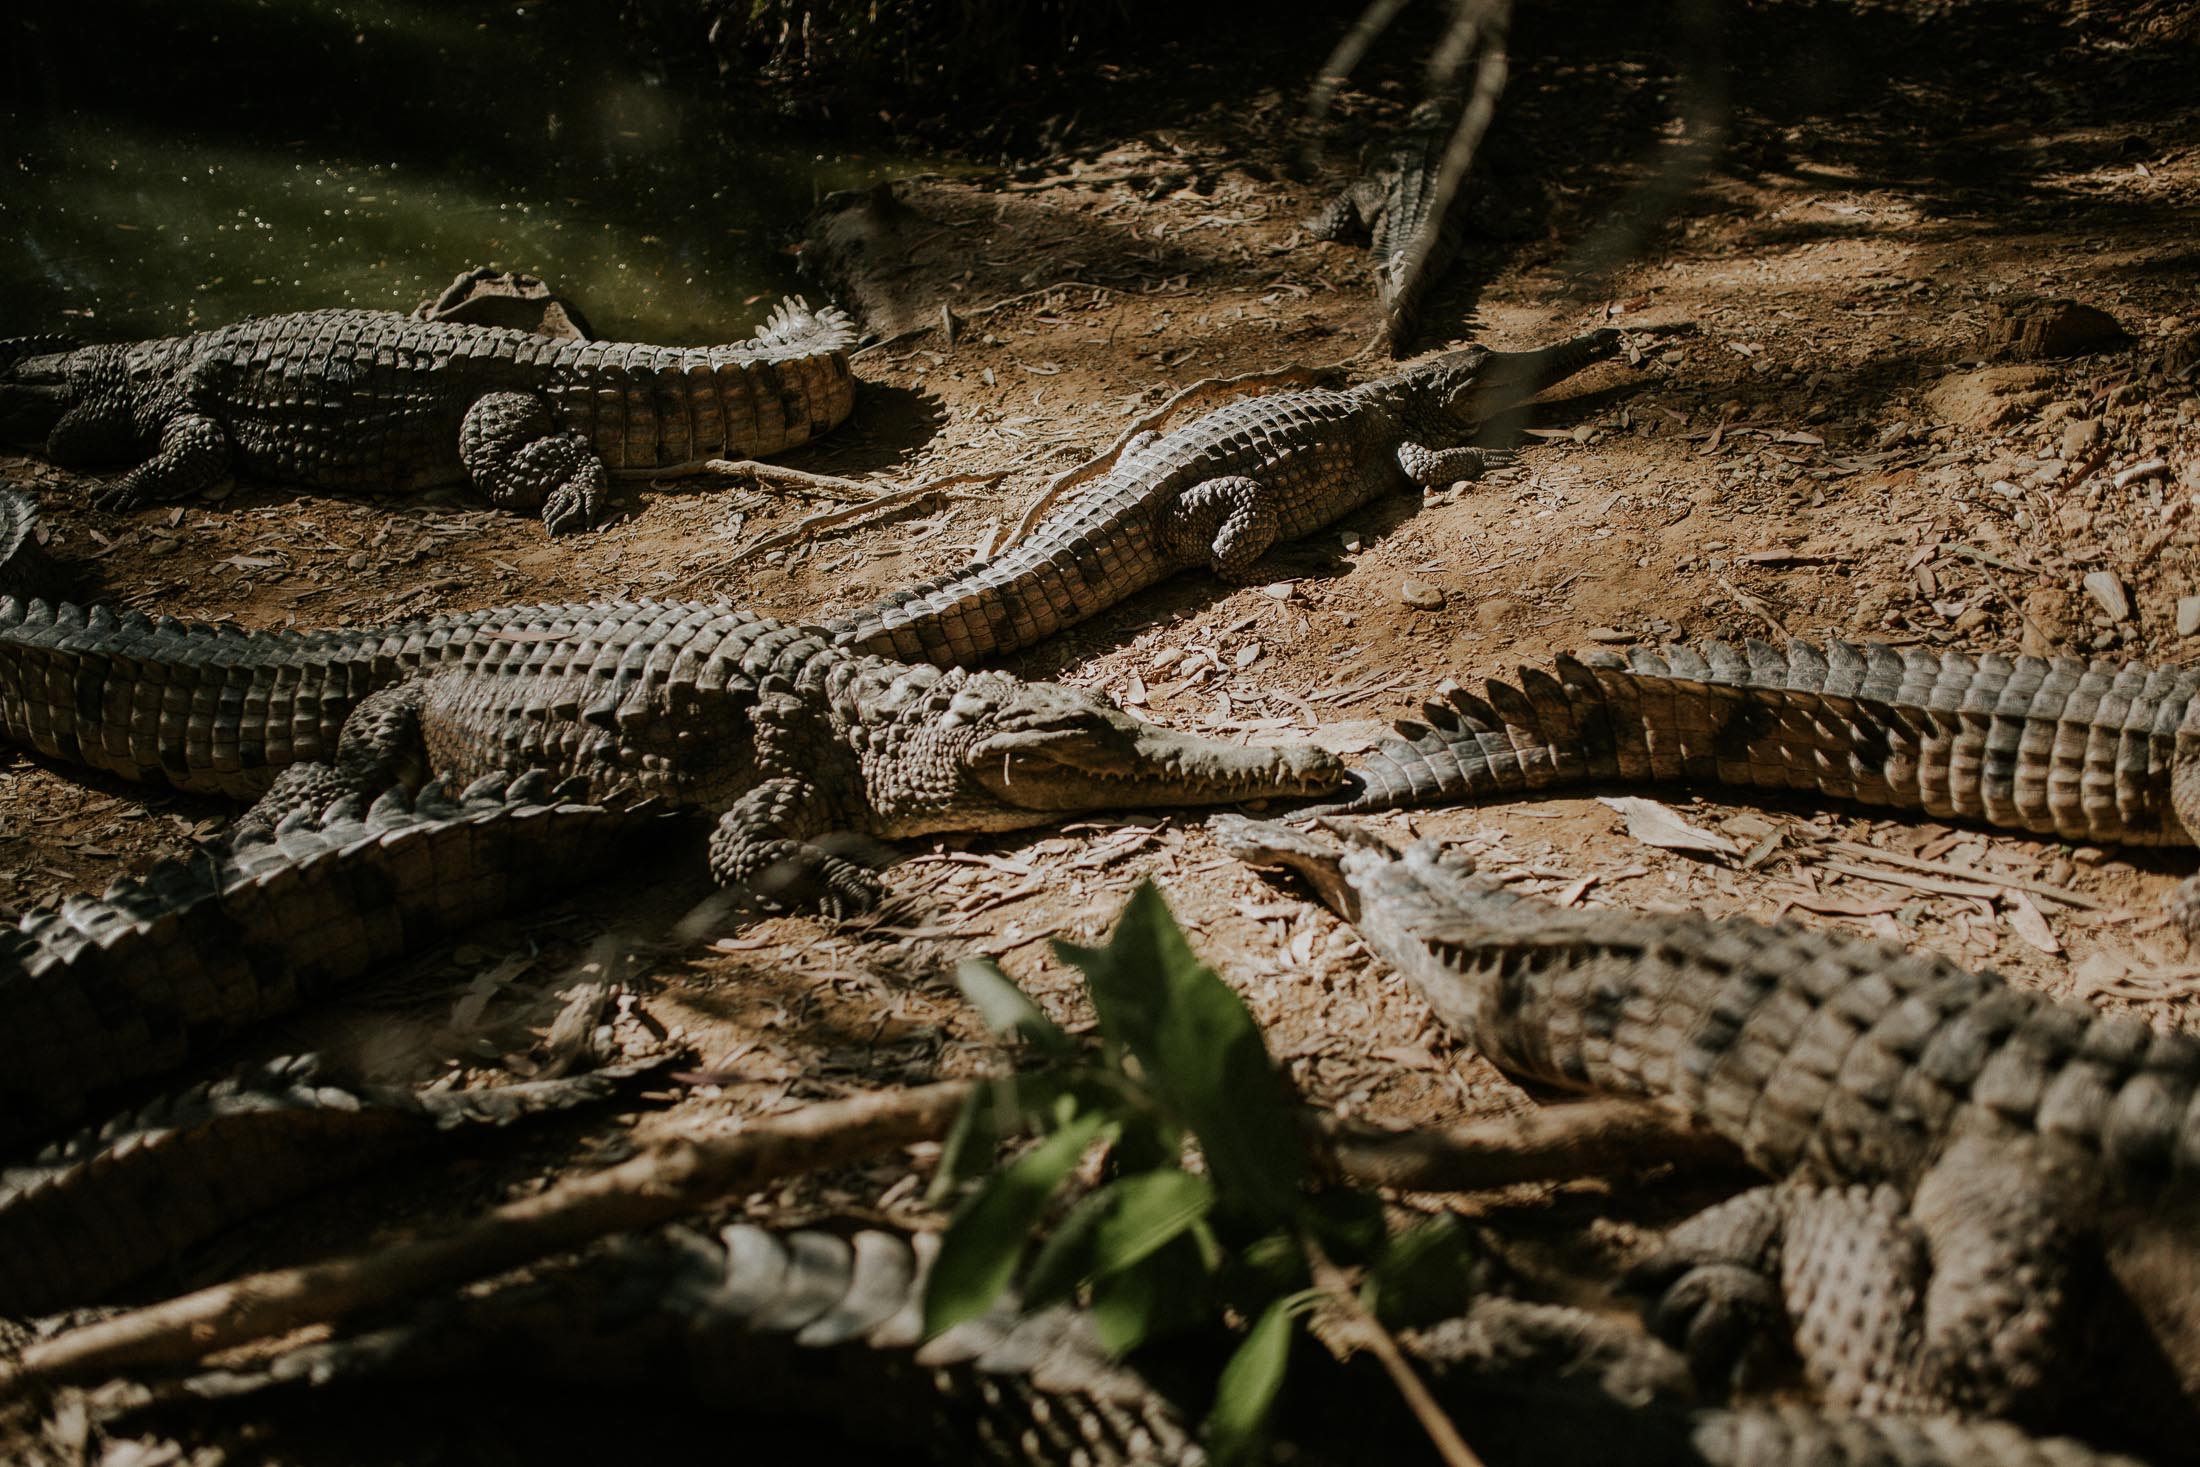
x=1420 y=594
x=1609 y=636
x=1280 y=590
x=2188 y=615
x=1350 y=539
x=2104 y=587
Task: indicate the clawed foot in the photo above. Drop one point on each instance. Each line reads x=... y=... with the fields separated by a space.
x=1727 y=1320
x=119 y=497
x=571 y=508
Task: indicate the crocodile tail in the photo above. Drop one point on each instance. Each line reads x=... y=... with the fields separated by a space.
x=794 y=327
x=25 y=568
x=2056 y=747
x=256 y=1137
x=790 y=1326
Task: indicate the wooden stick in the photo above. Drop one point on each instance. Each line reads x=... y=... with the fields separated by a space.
x=861 y=513
x=1563 y=1141
x=674 y=1177
x=2046 y=889
x=821 y=486
x=1359 y=1320
x=1200 y=391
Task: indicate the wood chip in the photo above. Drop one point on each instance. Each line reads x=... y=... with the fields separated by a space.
x=2029 y=923
x=1662 y=826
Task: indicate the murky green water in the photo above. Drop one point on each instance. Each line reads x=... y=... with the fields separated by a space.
x=242 y=157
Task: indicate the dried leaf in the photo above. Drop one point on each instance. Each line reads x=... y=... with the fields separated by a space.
x=2029 y=923
x=1661 y=825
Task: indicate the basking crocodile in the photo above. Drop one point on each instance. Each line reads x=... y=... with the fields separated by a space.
x=2098 y=752
x=1958 y=1158
x=785 y=739
x=820 y=1332
x=1392 y=202
x=1217 y=493
x=373 y=399
x=102 y=992
x=107 y=1205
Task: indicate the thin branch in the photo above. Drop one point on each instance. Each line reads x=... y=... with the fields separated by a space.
x=779 y=476
x=1442 y=1432
x=971 y=315
x=1553 y=1144
x=853 y=515
x=674 y=1177
x=1349 y=52
x=1486 y=22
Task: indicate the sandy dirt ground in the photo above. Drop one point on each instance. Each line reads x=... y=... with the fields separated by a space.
x=1846 y=446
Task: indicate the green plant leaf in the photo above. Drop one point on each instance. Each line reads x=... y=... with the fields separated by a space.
x=1428 y=1273
x=1200 y=1051
x=1246 y=1394
x=979 y=1250
x=1167 y=1290
x=1116 y=1228
x=1007 y=1009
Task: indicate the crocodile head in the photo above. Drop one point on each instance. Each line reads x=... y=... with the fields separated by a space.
x=35 y=387
x=961 y=750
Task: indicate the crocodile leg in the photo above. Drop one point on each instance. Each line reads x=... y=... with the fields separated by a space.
x=764 y=845
x=1350 y=212
x=1965 y=1299
x=1230 y=519
x=1434 y=468
x=514 y=452
x=192 y=458
x=381 y=748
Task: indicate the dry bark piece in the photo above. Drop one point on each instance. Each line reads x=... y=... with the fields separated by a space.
x=2030 y=330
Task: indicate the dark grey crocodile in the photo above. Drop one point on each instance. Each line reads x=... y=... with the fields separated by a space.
x=103 y=992
x=25 y=567
x=1973 y=1177
x=97 y=1210
x=373 y=399
x=1411 y=242
x=786 y=740
x=2097 y=752
x=1217 y=493
x=820 y=1331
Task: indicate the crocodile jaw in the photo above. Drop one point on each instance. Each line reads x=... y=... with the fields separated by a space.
x=1115 y=761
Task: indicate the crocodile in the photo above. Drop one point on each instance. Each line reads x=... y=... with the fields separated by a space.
x=25 y=567
x=1392 y=202
x=106 y=1205
x=374 y=399
x=1954 y=1157
x=102 y=993
x=791 y=744
x=821 y=1329
x=1217 y=493
x=2100 y=752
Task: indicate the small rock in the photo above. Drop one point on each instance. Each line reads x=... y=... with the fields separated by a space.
x=1609 y=636
x=1350 y=539
x=1280 y=590
x=1247 y=655
x=2104 y=587
x=1420 y=594
x=2080 y=435
x=2188 y=615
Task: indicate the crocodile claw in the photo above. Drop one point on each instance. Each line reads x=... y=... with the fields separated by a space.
x=119 y=497
x=568 y=508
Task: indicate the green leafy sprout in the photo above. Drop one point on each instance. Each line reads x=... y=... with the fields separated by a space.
x=1157 y=1247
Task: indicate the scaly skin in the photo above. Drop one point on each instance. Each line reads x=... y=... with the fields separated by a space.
x=787 y=741
x=821 y=1331
x=105 y=1206
x=2095 y=752
x=2004 y=1143
x=104 y=992
x=1216 y=494
x=373 y=399
x=1390 y=202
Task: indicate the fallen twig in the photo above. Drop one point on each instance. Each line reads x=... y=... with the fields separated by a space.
x=971 y=315
x=2046 y=889
x=1552 y=1144
x=1202 y=391
x=1359 y=1321
x=861 y=513
x=672 y=1178
x=818 y=486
